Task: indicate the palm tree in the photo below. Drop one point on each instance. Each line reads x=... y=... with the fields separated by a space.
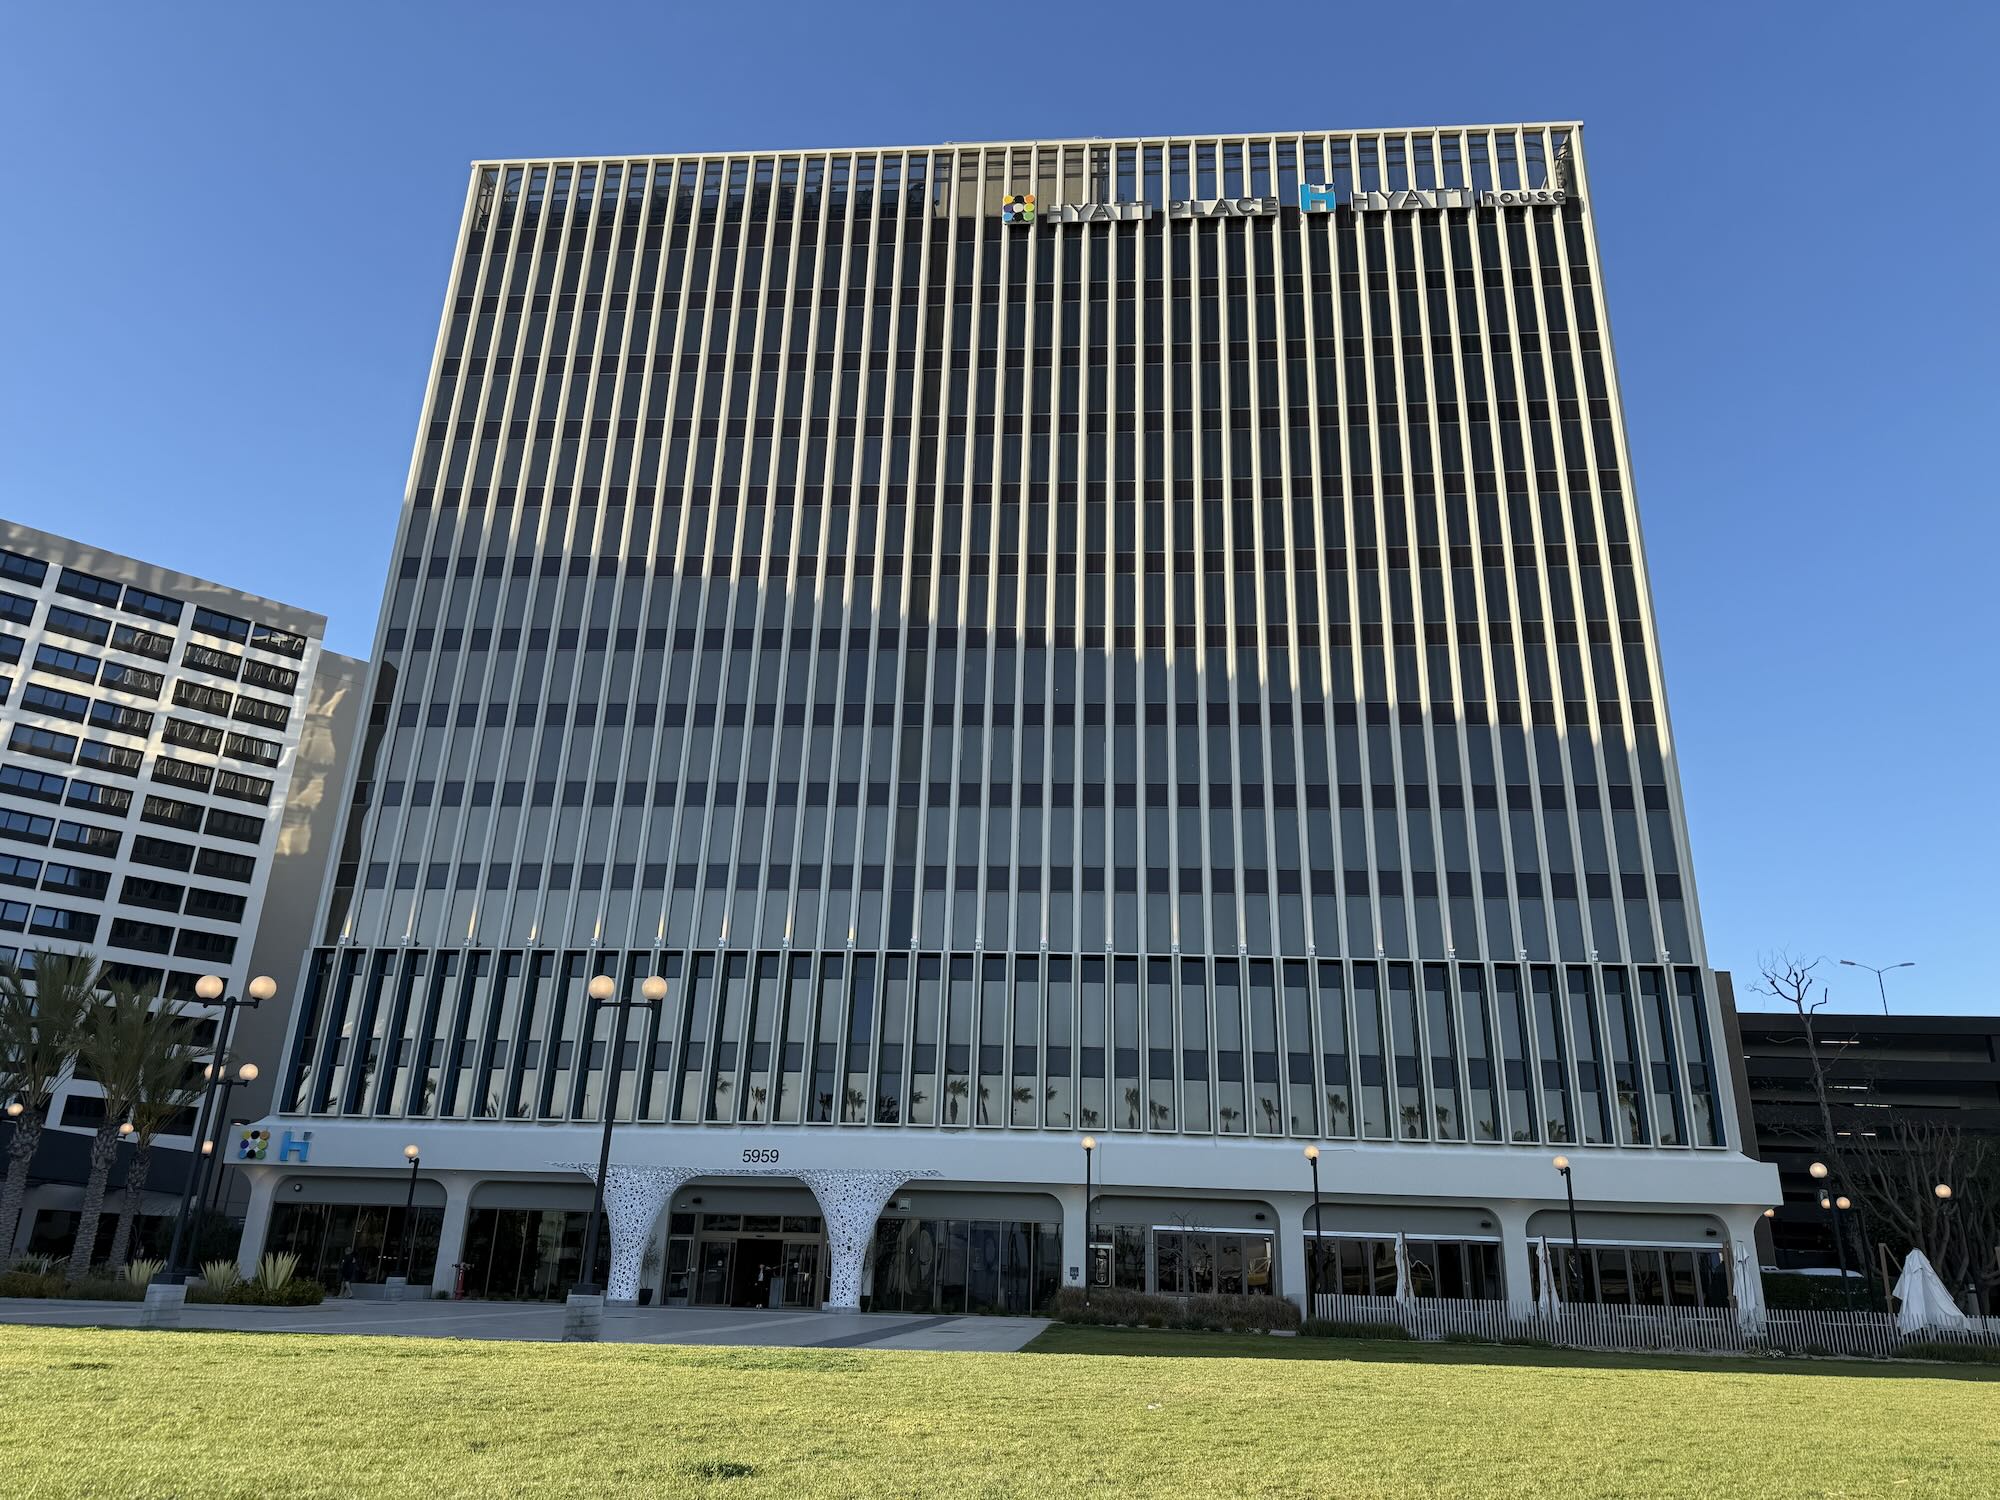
x=169 y=1086
x=121 y=1039
x=40 y=1020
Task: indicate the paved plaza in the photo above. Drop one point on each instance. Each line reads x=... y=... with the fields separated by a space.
x=784 y=1327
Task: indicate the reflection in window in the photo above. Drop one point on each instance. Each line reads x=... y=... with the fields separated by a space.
x=1027 y=1081
x=1300 y=1097
x=1060 y=1088
x=1090 y=1016
x=1335 y=1080
x=1483 y=1101
x=1231 y=1103
x=993 y=1095
x=1585 y=1037
x=958 y=1045
x=895 y=1023
x=1194 y=1047
x=924 y=1043
x=1268 y=1105
x=1127 y=1101
x=1443 y=1059
x=1372 y=1065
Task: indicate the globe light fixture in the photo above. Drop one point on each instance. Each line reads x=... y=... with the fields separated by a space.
x=1943 y=1190
x=654 y=989
x=603 y=987
x=1818 y=1171
x=263 y=987
x=209 y=987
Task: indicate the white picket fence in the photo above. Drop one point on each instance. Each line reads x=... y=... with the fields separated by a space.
x=1691 y=1330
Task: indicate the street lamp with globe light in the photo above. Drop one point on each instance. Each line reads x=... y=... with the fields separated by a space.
x=409 y=1235
x=1089 y=1150
x=214 y=1149
x=1575 y=1243
x=602 y=990
x=209 y=990
x=1318 y=1244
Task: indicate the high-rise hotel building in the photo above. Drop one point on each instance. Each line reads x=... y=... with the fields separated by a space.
x=1142 y=639
x=166 y=745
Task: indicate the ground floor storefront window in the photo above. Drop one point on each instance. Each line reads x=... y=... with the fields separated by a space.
x=528 y=1254
x=1365 y=1266
x=1189 y=1262
x=965 y=1265
x=54 y=1234
x=322 y=1234
x=1640 y=1275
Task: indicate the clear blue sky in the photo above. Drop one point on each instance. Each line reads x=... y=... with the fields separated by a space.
x=228 y=226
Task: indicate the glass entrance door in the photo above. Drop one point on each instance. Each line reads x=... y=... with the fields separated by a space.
x=801 y=1272
x=712 y=1284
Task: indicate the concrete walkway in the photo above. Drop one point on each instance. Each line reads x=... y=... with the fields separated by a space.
x=796 y=1328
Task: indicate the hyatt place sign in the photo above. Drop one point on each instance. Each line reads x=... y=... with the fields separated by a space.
x=1314 y=198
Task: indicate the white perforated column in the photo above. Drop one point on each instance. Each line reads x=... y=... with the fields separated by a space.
x=850 y=1201
x=633 y=1198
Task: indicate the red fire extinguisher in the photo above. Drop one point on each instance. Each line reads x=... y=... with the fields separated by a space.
x=458 y=1285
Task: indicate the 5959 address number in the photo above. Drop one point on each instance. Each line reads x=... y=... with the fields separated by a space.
x=760 y=1153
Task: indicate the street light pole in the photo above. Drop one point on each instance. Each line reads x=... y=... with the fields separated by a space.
x=602 y=988
x=1960 y=1210
x=1818 y=1171
x=1575 y=1243
x=1089 y=1148
x=213 y=1147
x=1880 y=988
x=209 y=990
x=409 y=1235
x=1318 y=1245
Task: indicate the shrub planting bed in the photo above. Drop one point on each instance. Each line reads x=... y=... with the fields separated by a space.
x=1111 y=1308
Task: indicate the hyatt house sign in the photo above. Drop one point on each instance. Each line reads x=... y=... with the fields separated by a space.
x=1314 y=198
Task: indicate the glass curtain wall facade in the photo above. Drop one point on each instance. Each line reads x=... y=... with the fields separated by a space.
x=1182 y=673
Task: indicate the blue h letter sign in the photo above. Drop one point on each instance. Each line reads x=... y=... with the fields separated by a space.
x=295 y=1147
x=1318 y=198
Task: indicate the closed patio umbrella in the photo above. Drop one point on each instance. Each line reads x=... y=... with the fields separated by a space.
x=1926 y=1303
x=1548 y=1300
x=1404 y=1290
x=1749 y=1305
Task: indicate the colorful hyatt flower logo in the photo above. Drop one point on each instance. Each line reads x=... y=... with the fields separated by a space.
x=253 y=1145
x=1017 y=208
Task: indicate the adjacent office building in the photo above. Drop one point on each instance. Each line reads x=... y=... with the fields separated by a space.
x=165 y=743
x=1141 y=640
x=1942 y=1070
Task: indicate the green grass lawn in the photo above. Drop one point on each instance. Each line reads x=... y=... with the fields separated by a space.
x=121 y=1412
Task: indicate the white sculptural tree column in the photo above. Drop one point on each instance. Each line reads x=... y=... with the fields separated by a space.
x=850 y=1202
x=633 y=1199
